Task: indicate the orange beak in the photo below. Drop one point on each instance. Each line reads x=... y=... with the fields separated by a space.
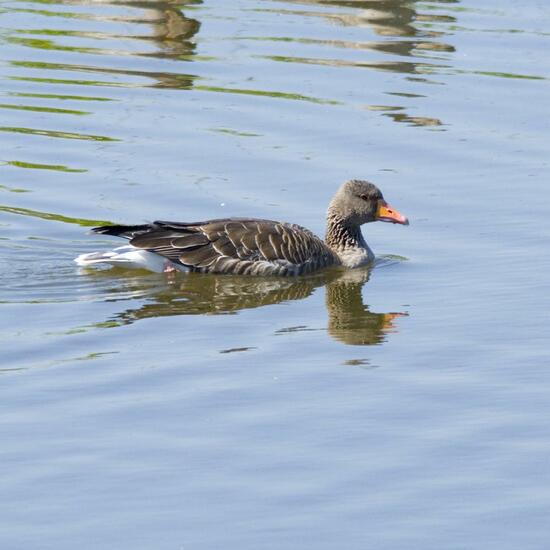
x=385 y=213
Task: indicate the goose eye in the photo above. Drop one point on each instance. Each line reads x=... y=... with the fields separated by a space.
x=365 y=197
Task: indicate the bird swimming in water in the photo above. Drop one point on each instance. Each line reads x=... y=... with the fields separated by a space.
x=248 y=246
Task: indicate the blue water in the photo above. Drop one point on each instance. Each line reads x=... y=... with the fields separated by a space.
x=403 y=406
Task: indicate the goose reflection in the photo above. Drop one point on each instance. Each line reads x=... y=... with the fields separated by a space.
x=409 y=42
x=173 y=31
x=387 y=18
x=163 y=25
x=349 y=320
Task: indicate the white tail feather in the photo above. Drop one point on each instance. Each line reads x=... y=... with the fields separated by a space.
x=127 y=256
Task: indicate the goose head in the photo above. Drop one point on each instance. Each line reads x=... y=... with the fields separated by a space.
x=357 y=202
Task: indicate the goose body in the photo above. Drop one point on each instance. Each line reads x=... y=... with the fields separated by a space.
x=253 y=246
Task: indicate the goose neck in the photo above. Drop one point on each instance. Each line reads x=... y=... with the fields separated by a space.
x=341 y=234
x=347 y=241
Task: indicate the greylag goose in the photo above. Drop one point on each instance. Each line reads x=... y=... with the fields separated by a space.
x=253 y=246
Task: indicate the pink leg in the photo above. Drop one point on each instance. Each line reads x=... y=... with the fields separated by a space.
x=169 y=267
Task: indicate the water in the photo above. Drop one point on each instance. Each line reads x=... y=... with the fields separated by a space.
x=400 y=407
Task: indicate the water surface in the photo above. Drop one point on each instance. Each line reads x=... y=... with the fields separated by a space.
x=400 y=406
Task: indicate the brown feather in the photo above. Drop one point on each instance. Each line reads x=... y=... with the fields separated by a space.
x=247 y=246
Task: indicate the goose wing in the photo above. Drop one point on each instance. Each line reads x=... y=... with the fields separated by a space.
x=234 y=245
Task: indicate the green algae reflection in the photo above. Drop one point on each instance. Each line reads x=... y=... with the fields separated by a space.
x=36 y=166
x=62 y=97
x=37 y=109
x=54 y=133
x=265 y=93
x=83 y=222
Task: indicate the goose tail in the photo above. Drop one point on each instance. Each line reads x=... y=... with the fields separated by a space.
x=124 y=231
x=128 y=257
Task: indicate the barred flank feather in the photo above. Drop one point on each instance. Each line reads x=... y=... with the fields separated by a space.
x=234 y=245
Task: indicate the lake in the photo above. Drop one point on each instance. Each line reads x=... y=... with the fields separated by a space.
x=404 y=405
